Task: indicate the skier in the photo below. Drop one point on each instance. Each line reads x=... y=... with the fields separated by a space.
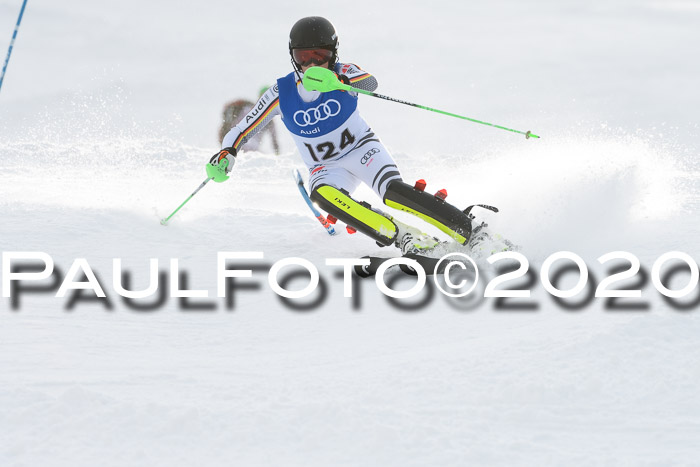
x=340 y=149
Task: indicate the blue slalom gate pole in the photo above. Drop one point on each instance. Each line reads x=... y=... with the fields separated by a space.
x=12 y=42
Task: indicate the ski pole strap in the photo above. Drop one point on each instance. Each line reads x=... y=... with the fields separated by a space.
x=324 y=80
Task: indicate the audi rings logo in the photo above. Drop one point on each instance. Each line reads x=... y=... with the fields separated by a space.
x=328 y=109
x=368 y=154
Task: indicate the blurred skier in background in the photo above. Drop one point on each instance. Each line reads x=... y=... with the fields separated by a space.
x=341 y=150
x=233 y=111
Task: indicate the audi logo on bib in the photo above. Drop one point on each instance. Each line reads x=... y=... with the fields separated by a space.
x=328 y=109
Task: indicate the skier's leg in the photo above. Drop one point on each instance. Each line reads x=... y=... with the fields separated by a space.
x=431 y=208
x=371 y=162
x=330 y=189
x=375 y=166
x=326 y=182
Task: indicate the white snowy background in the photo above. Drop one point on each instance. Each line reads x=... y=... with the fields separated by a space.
x=109 y=111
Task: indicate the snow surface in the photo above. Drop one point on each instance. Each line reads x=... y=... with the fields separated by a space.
x=107 y=115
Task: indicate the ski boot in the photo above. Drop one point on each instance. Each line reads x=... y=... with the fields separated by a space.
x=410 y=240
x=484 y=242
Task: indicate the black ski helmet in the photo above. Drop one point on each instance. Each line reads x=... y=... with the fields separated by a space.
x=314 y=32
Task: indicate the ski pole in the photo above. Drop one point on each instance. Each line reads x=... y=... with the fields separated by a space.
x=324 y=80
x=165 y=220
x=324 y=222
x=12 y=42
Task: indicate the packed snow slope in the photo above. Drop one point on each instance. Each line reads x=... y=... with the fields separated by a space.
x=108 y=113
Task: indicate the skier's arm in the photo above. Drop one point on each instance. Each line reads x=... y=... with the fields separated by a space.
x=260 y=115
x=356 y=76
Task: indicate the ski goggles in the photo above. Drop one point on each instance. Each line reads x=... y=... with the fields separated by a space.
x=306 y=57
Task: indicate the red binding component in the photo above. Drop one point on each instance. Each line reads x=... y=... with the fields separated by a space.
x=442 y=194
x=420 y=185
x=350 y=229
x=331 y=219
